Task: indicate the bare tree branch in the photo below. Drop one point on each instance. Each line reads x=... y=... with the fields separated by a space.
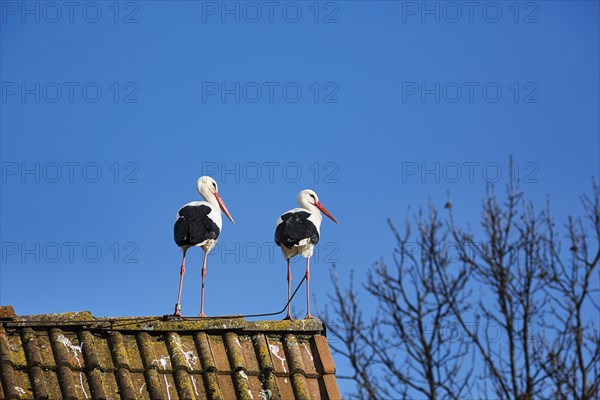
x=428 y=335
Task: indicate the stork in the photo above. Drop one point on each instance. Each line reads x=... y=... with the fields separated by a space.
x=198 y=224
x=297 y=232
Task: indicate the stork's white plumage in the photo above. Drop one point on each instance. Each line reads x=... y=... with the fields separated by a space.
x=198 y=224
x=297 y=231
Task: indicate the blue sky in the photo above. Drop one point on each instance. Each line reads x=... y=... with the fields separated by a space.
x=111 y=111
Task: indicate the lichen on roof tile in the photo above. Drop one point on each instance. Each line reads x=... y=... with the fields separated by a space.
x=74 y=355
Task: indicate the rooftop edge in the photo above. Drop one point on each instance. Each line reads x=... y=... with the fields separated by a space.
x=163 y=323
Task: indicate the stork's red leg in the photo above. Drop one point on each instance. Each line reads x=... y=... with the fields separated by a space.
x=308 y=316
x=202 y=315
x=181 y=273
x=289 y=280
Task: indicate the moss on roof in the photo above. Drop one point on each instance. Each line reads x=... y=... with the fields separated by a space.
x=76 y=355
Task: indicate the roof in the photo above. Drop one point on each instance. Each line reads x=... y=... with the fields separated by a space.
x=78 y=356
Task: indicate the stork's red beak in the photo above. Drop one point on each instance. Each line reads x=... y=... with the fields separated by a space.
x=223 y=207
x=324 y=211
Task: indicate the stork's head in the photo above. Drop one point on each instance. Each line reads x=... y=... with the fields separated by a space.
x=207 y=187
x=308 y=199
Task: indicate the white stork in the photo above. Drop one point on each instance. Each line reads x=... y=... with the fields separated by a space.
x=297 y=232
x=198 y=224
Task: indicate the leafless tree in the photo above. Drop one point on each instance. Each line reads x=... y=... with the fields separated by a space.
x=407 y=348
x=503 y=313
x=571 y=355
x=505 y=263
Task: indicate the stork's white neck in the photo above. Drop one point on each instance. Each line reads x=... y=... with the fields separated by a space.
x=304 y=203
x=209 y=197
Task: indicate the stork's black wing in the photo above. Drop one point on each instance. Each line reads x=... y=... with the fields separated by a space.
x=194 y=226
x=295 y=226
